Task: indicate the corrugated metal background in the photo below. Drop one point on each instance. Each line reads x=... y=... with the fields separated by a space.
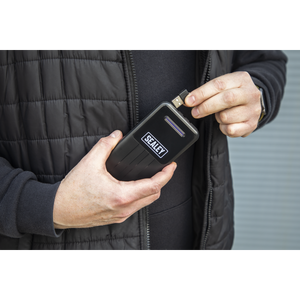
x=266 y=175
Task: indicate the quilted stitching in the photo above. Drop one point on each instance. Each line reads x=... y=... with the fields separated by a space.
x=55 y=103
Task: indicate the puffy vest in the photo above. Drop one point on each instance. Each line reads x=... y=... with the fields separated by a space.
x=55 y=105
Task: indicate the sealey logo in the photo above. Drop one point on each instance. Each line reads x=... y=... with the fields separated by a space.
x=154 y=145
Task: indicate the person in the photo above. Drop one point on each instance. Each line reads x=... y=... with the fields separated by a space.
x=62 y=113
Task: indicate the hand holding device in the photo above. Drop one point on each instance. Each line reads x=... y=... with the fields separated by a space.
x=89 y=196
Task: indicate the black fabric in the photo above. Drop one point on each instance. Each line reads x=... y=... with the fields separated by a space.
x=55 y=105
x=53 y=109
x=161 y=76
x=261 y=65
x=173 y=229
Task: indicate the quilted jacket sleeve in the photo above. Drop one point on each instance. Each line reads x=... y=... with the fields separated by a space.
x=26 y=205
x=268 y=71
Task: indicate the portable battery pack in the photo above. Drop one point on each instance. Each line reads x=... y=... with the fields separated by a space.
x=161 y=137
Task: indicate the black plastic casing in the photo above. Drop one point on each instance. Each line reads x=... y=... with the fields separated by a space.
x=155 y=142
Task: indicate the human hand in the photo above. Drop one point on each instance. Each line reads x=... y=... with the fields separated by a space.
x=233 y=98
x=89 y=196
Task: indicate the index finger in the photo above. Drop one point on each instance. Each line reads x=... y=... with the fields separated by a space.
x=213 y=87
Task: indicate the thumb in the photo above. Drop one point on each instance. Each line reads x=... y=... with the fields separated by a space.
x=105 y=145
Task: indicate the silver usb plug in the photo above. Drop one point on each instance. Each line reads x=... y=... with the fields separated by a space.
x=179 y=100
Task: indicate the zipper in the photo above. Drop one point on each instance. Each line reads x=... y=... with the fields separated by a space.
x=135 y=90
x=208 y=215
x=130 y=75
x=144 y=212
x=207 y=77
x=210 y=194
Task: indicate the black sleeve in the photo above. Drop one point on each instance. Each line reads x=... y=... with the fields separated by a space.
x=268 y=71
x=26 y=205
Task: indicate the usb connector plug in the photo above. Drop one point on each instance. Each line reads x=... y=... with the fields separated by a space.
x=179 y=100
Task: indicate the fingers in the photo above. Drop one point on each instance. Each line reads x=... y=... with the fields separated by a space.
x=236 y=114
x=239 y=120
x=233 y=98
x=105 y=145
x=237 y=129
x=154 y=185
x=214 y=87
x=134 y=195
x=219 y=102
x=130 y=191
x=221 y=93
x=163 y=177
x=139 y=189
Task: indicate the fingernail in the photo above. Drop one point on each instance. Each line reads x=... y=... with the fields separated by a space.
x=115 y=133
x=175 y=167
x=195 y=112
x=190 y=100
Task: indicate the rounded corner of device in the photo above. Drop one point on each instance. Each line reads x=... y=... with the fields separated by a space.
x=165 y=103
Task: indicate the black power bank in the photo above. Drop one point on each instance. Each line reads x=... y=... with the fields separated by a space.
x=155 y=142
